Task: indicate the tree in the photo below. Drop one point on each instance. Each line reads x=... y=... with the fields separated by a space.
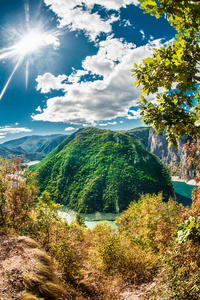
x=174 y=68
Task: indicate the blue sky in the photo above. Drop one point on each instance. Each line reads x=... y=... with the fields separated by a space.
x=65 y=64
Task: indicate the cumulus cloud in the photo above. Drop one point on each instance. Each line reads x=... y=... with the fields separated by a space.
x=8 y=129
x=70 y=128
x=100 y=100
x=51 y=39
x=133 y=114
x=78 y=14
x=76 y=76
x=49 y=82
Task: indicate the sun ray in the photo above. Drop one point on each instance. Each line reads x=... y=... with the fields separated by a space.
x=6 y=53
x=27 y=41
x=27 y=71
x=9 y=79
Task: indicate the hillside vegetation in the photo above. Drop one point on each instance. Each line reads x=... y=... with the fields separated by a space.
x=153 y=253
x=100 y=170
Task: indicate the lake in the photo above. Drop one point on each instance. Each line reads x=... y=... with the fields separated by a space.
x=91 y=220
x=184 y=190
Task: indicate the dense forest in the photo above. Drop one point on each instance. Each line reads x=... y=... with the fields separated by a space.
x=101 y=170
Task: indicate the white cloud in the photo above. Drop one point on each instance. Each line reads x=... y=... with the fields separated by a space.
x=103 y=124
x=51 y=39
x=113 y=4
x=133 y=114
x=8 y=129
x=49 y=82
x=112 y=123
x=111 y=50
x=70 y=128
x=76 y=76
x=38 y=109
x=142 y=33
x=71 y=13
x=90 y=102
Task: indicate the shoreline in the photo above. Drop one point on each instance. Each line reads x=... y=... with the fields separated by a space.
x=70 y=214
x=190 y=182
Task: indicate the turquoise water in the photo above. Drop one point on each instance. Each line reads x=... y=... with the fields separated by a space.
x=183 y=188
x=92 y=224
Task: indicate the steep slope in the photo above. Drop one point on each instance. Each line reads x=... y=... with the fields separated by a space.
x=156 y=142
x=100 y=170
x=175 y=159
x=27 y=271
x=42 y=145
x=140 y=134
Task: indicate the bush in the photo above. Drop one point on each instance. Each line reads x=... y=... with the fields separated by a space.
x=150 y=222
x=120 y=257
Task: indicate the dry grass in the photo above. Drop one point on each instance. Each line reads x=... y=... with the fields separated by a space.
x=28 y=242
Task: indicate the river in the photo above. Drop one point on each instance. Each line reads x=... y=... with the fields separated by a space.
x=91 y=220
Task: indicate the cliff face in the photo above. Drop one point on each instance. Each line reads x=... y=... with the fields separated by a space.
x=175 y=159
x=156 y=142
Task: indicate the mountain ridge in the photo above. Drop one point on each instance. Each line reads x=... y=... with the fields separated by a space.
x=101 y=170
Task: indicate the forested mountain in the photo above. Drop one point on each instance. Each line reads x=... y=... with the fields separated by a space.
x=101 y=170
x=7 y=153
x=33 y=147
x=37 y=147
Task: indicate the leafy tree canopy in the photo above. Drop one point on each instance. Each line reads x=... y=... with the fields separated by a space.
x=174 y=68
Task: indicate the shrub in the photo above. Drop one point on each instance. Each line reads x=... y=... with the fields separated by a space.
x=120 y=257
x=150 y=222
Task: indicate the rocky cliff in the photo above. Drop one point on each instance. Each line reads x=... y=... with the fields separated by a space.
x=174 y=159
x=156 y=142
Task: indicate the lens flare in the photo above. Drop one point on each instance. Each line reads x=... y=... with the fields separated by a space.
x=30 y=40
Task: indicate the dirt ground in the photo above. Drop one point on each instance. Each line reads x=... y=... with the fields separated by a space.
x=15 y=261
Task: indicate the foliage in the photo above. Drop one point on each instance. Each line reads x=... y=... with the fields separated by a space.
x=95 y=264
x=150 y=222
x=119 y=256
x=189 y=230
x=17 y=195
x=79 y=220
x=101 y=170
x=174 y=68
x=46 y=213
x=180 y=274
x=140 y=134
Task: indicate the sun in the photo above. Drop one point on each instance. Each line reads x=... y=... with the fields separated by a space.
x=30 y=42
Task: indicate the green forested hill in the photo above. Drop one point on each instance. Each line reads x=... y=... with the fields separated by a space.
x=100 y=170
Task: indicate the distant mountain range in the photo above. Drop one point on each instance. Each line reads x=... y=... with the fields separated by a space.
x=33 y=147
x=36 y=147
x=101 y=170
